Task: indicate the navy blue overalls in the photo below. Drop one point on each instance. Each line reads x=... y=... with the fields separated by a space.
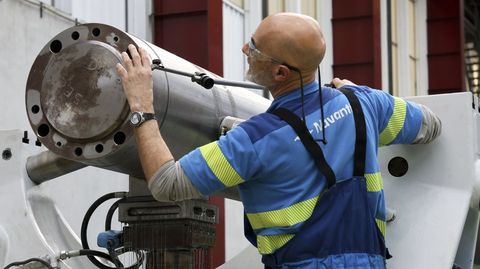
x=342 y=221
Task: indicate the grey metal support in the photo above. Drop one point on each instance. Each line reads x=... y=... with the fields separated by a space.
x=47 y=165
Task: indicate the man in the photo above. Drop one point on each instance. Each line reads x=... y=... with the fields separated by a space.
x=304 y=210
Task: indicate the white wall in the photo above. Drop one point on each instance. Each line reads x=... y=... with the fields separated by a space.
x=233 y=40
x=113 y=12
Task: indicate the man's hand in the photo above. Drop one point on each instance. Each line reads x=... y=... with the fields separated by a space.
x=136 y=74
x=338 y=83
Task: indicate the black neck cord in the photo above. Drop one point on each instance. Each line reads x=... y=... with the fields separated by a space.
x=322 y=115
x=303 y=97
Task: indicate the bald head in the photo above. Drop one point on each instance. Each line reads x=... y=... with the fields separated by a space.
x=292 y=38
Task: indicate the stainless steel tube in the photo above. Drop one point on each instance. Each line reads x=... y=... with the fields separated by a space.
x=76 y=106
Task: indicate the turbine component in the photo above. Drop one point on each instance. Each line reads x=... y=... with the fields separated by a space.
x=77 y=108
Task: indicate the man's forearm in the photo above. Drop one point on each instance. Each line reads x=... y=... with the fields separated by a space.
x=152 y=149
x=170 y=183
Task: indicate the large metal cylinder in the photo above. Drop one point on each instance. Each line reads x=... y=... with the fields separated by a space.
x=77 y=108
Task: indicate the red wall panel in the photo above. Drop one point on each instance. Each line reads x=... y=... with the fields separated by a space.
x=175 y=7
x=192 y=29
x=182 y=38
x=353 y=39
x=445 y=74
x=349 y=8
x=358 y=73
x=446 y=68
x=356 y=41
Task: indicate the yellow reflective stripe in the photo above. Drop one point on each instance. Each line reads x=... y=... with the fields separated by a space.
x=374 y=182
x=267 y=244
x=382 y=226
x=395 y=123
x=284 y=217
x=219 y=165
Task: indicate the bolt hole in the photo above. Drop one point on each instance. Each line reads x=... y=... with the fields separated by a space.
x=59 y=144
x=198 y=211
x=78 y=152
x=75 y=35
x=119 y=138
x=210 y=213
x=7 y=154
x=43 y=130
x=56 y=46
x=99 y=148
x=398 y=166
x=96 y=32
x=115 y=38
x=35 y=109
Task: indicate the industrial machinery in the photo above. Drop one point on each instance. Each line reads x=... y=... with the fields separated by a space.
x=76 y=107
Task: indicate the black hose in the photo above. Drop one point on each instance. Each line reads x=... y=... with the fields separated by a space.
x=108 y=227
x=86 y=219
x=19 y=263
x=91 y=252
x=108 y=219
x=83 y=231
x=113 y=254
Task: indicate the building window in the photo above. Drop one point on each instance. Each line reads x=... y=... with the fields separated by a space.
x=309 y=7
x=394 y=48
x=405 y=63
x=275 y=6
x=412 y=48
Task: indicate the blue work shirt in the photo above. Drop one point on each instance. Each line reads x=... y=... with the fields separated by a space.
x=277 y=178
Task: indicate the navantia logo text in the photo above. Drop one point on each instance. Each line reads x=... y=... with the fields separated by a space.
x=330 y=120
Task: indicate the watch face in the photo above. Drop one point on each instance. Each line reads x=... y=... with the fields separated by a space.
x=135 y=118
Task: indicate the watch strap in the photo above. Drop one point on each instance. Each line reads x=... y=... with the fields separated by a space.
x=148 y=116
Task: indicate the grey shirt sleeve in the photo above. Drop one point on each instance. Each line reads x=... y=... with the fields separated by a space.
x=431 y=127
x=170 y=183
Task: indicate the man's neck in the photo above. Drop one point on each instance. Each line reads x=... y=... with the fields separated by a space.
x=289 y=86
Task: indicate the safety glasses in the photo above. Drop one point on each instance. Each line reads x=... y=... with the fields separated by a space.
x=253 y=51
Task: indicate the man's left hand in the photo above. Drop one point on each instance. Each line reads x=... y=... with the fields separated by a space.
x=338 y=83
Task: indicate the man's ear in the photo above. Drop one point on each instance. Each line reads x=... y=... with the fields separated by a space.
x=280 y=72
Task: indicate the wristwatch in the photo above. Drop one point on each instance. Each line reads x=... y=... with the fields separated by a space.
x=137 y=118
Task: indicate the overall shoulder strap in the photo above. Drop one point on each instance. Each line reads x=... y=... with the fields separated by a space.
x=360 y=131
x=307 y=140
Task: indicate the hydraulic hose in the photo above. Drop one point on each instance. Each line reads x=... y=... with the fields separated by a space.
x=20 y=263
x=108 y=219
x=108 y=223
x=86 y=219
